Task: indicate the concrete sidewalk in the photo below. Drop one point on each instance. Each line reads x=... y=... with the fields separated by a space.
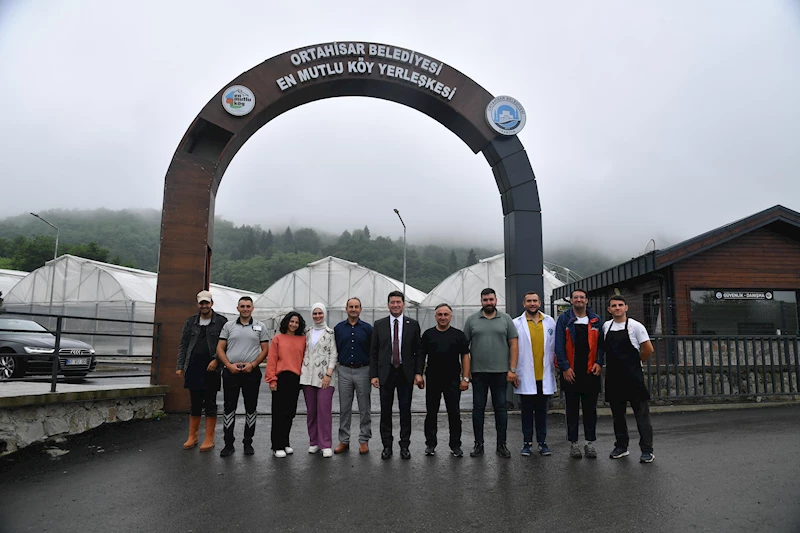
x=714 y=471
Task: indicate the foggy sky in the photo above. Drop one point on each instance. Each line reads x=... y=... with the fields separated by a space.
x=643 y=121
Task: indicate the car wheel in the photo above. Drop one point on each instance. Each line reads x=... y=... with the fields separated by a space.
x=10 y=366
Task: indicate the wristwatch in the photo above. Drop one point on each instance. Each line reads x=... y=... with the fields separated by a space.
x=513 y=370
x=465 y=378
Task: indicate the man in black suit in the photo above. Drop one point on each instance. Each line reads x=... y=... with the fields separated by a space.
x=396 y=362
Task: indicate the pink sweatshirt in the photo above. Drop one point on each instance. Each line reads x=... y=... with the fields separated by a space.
x=285 y=353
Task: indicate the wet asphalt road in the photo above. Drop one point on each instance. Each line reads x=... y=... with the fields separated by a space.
x=714 y=471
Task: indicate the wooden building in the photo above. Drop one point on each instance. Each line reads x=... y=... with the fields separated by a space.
x=740 y=279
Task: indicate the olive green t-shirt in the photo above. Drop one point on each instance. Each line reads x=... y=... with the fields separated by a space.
x=488 y=341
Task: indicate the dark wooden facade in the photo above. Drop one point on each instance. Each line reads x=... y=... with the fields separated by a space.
x=760 y=252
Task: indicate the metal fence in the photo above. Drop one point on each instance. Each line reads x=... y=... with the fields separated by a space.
x=87 y=330
x=702 y=366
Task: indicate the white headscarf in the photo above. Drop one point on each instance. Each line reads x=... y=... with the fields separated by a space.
x=323 y=324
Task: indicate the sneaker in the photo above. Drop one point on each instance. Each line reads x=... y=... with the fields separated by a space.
x=327 y=452
x=619 y=452
x=430 y=450
x=526 y=449
x=647 y=457
x=502 y=451
x=227 y=450
x=280 y=454
x=543 y=449
x=575 y=451
x=477 y=451
x=289 y=450
x=457 y=452
x=313 y=449
x=589 y=451
x=248 y=449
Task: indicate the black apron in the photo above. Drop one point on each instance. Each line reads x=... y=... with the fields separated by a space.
x=585 y=382
x=624 y=376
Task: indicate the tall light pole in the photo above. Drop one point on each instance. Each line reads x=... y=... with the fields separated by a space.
x=404 y=252
x=55 y=254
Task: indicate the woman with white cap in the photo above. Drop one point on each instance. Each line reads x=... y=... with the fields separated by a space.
x=316 y=378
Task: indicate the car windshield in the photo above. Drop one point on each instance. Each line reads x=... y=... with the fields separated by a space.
x=16 y=324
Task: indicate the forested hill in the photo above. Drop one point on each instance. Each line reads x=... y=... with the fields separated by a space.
x=246 y=257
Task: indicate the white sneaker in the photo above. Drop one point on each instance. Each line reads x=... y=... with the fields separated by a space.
x=313 y=449
x=288 y=450
x=280 y=454
x=327 y=452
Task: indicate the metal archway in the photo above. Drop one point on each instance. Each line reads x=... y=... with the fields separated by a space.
x=297 y=77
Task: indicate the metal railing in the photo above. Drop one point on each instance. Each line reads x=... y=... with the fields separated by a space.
x=702 y=366
x=56 y=370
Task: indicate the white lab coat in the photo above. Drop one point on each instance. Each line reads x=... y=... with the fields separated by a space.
x=525 y=371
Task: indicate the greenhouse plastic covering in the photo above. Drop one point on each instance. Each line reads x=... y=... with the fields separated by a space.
x=332 y=281
x=81 y=287
x=462 y=291
x=9 y=278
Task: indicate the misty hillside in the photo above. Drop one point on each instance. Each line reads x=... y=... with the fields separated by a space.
x=246 y=257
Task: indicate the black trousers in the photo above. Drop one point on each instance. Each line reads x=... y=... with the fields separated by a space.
x=284 y=408
x=396 y=381
x=248 y=384
x=435 y=388
x=203 y=400
x=641 y=411
x=587 y=401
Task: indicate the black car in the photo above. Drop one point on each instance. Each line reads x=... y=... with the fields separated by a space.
x=28 y=349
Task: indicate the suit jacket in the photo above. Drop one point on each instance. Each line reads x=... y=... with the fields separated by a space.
x=380 y=354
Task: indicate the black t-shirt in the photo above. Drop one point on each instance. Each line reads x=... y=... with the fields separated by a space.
x=444 y=350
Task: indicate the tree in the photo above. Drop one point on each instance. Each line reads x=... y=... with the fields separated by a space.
x=366 y=233
x=91 y=251
x=452 y=263
x=471 y=257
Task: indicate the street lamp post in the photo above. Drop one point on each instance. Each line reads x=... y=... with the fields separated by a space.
x=404 y=251
x=55 y=254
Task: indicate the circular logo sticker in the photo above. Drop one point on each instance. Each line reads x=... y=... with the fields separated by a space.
x=238 y=100
x=718 y=295
x=505 y=115
x=768 y=295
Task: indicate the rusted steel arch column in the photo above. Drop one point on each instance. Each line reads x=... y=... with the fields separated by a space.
x=215 y=136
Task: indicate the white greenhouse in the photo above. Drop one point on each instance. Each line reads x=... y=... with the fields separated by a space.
x=9 y=278
x=462 y=291
x=333 y=281
x=81 y=287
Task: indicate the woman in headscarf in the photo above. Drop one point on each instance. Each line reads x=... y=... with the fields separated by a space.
x=284 y=365
x=317 y=377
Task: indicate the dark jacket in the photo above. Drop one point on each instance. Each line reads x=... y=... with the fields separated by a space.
x=191 y=330
x=380 y=356
x=565 y=335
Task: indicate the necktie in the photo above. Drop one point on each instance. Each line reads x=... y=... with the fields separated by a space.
x=396 y=345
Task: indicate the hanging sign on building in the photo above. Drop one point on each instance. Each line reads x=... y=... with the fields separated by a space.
x=743 y=295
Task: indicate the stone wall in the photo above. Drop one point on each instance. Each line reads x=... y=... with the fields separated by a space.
x=25 y=425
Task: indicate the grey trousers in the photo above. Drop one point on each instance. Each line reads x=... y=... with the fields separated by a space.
x=354 y=381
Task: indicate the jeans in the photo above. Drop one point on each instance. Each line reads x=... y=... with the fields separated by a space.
x=482 y=383
x=435 y=388
x=534 y=408
x=641 y=411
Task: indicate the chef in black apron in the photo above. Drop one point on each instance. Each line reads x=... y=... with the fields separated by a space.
x=625 y=379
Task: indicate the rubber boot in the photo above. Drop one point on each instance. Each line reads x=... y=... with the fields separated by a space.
x=211 y=427
x=194 y=426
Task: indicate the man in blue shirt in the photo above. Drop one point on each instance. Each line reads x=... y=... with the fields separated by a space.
x=352 y=343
